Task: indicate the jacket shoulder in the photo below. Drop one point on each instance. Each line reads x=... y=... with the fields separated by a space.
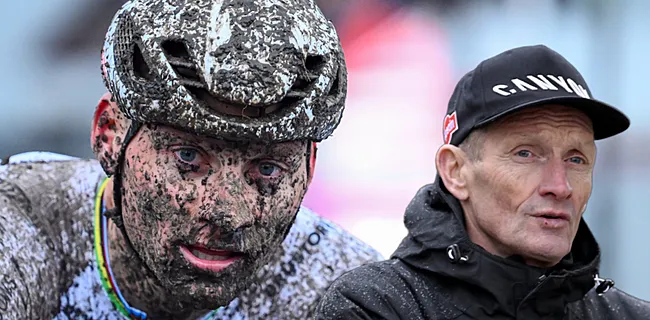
x=36 y=156
x=378 y=280
x=332 y=241
x=46 y=205
x=387 y=289
x=614 y=304
x=41 y=182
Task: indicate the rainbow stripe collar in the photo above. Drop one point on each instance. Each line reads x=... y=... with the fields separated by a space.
x=104 y=266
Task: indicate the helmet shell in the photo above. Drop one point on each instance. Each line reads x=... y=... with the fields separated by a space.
x=277 y=64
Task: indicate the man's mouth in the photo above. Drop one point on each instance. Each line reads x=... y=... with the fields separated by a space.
x=553 y=219
x=554 y=215
x=214 y=260
x=212 y=255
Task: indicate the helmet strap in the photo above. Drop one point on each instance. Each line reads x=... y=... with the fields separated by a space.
x=116 y=213
x=311 y=159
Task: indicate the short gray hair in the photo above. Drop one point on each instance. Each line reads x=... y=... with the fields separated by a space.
x=474 y=143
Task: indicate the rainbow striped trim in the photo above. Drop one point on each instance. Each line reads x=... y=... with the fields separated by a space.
x=104 y=266
x=103 y=261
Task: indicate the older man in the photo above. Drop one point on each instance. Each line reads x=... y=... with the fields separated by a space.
x=500 y=234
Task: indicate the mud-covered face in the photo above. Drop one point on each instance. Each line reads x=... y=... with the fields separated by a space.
x=206 y=214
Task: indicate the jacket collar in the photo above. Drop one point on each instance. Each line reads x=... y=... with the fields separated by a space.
x=438 y=245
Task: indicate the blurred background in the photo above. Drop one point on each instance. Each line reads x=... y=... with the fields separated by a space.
x=404 y=57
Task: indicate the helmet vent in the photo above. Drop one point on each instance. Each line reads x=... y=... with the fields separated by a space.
x=233 y=109
x=179 y=59
x=334 y=89
x=300 y=88
x=140 y=67
x=188 y=75
x=314 y=63
x=176 y=49
x=333 y=95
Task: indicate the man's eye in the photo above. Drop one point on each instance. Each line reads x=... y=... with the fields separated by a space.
x=268 y=169
x=577 y=160
x=524 y=153
x=187 y=155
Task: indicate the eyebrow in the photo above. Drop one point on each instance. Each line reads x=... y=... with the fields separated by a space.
x=583 y=145
x=284 y=150
x=170 y=136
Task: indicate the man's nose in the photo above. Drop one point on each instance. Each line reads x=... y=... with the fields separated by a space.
x=555 y=182
x=227 y=199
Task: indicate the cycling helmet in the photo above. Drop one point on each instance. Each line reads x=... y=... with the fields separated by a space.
x=234 y=69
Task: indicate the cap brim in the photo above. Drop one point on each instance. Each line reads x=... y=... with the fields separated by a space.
x=607 y=121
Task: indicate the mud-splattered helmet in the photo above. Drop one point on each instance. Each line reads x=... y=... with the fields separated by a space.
x=266 y=70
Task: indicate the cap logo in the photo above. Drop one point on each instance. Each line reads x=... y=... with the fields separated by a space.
x=450 y=126
x=541 y=82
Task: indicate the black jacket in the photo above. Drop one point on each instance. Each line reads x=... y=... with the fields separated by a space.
x=438 y=273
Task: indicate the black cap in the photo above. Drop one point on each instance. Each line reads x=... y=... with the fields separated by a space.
x=519 y=78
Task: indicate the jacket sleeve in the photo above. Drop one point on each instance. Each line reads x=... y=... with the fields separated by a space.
x=361 y=294
x=28 y=274
x=614 y=304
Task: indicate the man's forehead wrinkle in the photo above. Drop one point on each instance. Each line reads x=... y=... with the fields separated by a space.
x=178 y=136
x=575 y=137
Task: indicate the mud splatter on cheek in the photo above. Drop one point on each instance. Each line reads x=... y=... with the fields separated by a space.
x=204 y=181
x=159 y=162
x=193 y=193
x=159 y=228
x=187 y=169
x=164 y=230
x=299 y=182
x=267 y=188
x=295 y=163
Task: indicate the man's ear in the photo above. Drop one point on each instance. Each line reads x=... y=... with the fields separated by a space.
x=107 y=134
x=450 y=164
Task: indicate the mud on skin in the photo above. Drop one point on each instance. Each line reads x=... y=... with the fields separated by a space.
x=183 y=190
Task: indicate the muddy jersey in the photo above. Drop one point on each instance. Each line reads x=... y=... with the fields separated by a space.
x=48 y=268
